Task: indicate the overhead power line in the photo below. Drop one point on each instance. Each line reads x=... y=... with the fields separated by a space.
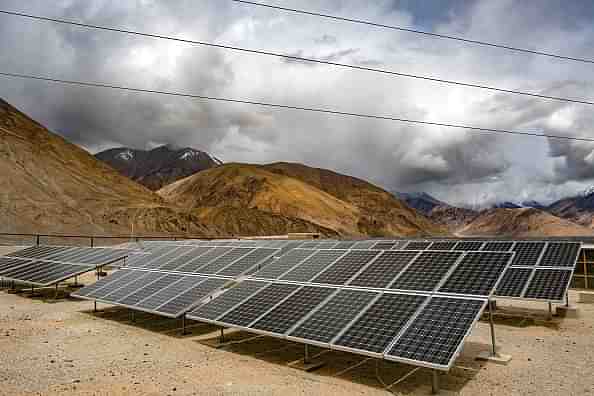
x=415 y=31
x=303 y=59
x=290 y=107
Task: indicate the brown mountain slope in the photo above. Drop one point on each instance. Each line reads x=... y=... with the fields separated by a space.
x=520 y=223
x=50 y=185
x=451 y=216
x=289 y=197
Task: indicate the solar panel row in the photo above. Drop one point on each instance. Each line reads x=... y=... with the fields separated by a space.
x=375 y=323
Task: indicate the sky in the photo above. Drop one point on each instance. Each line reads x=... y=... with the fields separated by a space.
x=458 y=166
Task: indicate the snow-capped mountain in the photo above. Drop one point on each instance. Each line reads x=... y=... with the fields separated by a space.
x=160 y=166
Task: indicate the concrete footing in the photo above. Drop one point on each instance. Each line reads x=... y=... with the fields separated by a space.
x=311 y=365
x=497 y=359
x=567 y=312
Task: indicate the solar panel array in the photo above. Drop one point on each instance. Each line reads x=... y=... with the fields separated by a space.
x=47 y=265
x=164 y=294
x=373 y=297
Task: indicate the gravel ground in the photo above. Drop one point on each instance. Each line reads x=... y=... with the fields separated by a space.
x=62 y=347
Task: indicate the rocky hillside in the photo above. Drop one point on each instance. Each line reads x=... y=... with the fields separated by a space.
x=422 y=201
x=282 y=197
x=158 y=167
x=520 y=223
x=53 y=186
x=579 y=208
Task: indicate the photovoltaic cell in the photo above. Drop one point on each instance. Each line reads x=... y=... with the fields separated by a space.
x=257 y=305
x=119 y=294
x=513 y=282
x=469 y=246
x=346 y=267
x=109 y=284
x=548 y=284
x=527 y=253
x=477 y=273
x=7 y=263
x=188 y=300
x=326 y=245
x=326 y=323
x=498 y=246
x=194 y=265
x=286 y=315
x=363 y=244
x=436 y=334
x=381 y=323
x=426 y=271
x=245 y=263
x=224 y=260
x=103 y=282
x=345 y=245
x=32 y=252
x=417 y=245
x=170 y=292
x=443 y=245
x=384 y=245
x=313 y=265
x=229 y=299
x=284 y=264
x=185 y=254
x=150 y=289
x=560 y=254
x=384 y=269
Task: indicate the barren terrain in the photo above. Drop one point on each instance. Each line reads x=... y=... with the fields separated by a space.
x=63 y=347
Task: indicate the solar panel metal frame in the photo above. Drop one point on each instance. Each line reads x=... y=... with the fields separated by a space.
x=78 y=272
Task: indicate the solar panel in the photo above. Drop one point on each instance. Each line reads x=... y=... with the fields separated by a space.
x=382 y=271
x=227 y=301
x=109 y=285
x=560 y=254
x=7 y=263
x=417 y=245
x=327 y=322
x=189 y=299
x=345 y=245
x=384 y=245
x=426 y=272
x=258 y=304
x=149 y=289
x=399 y=245
x=286 y=315
x=375 y=329
x=221 y=262
x=285 y=263
x=83 y=292
x=498 y=246
x=310 y=245
x=477 y=273
x=157 y=258
x=469 y=246
x=346 y=267
x=548 y=284
x=363 y=245
x=32 y=252
x=313 y=265
x=528 y=253
x=443 y=245
x=246 y=262
x=513 y=282
x=184 y=259
x=57 y=274
x=435 y=336
x=171 y=262
x=326 y=245
x=194 y=265
x=170 y=292
x=117 y=295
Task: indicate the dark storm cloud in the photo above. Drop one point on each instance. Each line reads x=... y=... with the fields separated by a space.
x=454 y=164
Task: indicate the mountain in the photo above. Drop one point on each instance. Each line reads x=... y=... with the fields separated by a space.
x=451 y=216
x=421 y=201
x=284 y=197
x=53 y=186
x=520 y=223
x=506 y=205
x=579 y=208
x=158 y=167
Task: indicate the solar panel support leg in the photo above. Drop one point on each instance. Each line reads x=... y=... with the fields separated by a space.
x=435 y=382
x=492 y=327
x=95 y=306
x=567 y=299
x=306 y=354
x=133 y=315
x=56 y=292
x=550 y=311
x=184 y=324
x=222 y=337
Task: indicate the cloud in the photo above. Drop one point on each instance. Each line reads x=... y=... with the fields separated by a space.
x=457 y=165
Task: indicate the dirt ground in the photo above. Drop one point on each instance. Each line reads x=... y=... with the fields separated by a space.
x=62 y=347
